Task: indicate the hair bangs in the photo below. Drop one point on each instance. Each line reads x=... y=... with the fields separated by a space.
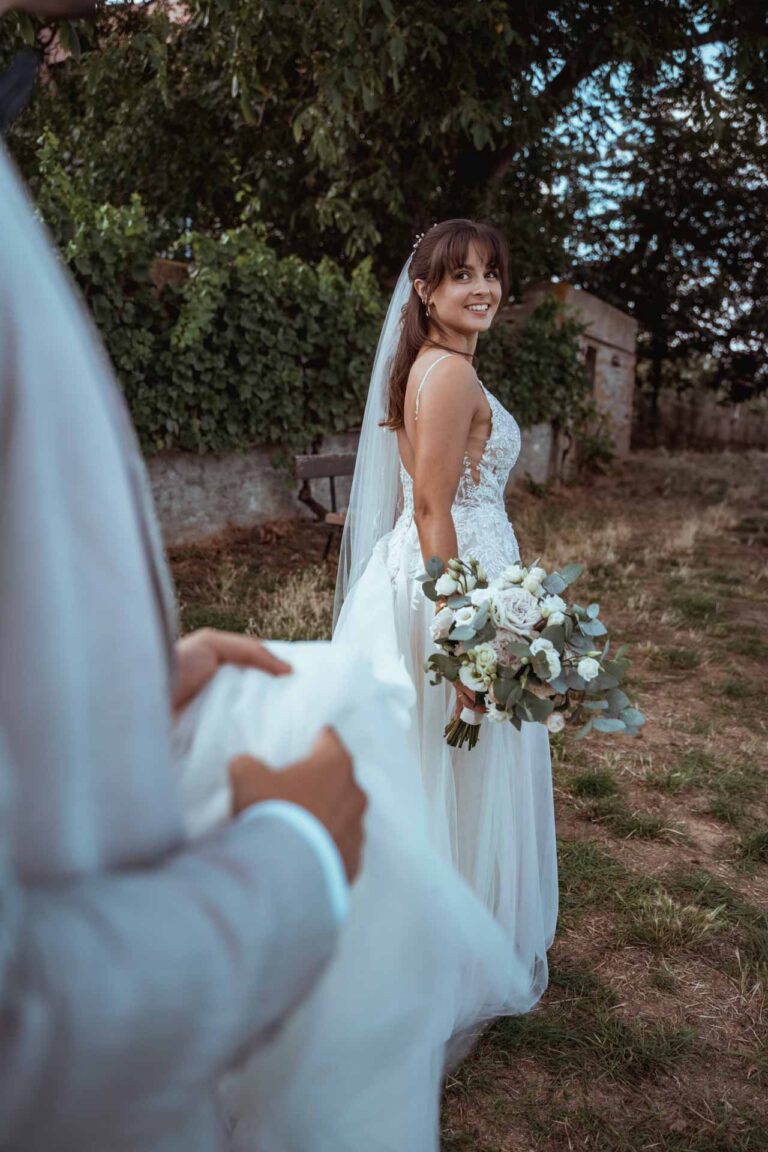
x=452 y=250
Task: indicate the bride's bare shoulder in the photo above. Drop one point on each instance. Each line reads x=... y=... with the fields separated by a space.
x=444 y=375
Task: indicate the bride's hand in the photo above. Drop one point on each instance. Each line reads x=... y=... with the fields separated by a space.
x=200 y=655
x=465 y=698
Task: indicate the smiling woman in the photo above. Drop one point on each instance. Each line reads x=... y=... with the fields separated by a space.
x=454 y=444
x=459 y=275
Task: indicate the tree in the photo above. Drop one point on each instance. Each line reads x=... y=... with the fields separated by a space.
x=680 y=239
x=350 y=125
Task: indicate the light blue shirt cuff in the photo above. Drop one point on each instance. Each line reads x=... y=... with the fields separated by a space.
x=321 y=841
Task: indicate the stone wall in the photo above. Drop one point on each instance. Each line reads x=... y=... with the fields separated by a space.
x=199 y=496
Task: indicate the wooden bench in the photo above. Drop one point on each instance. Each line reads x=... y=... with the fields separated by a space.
x=320 y=467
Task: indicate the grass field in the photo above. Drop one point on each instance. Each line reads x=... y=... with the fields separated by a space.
x=653 y=1033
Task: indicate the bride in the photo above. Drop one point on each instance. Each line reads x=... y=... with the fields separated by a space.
x=434 y=431
x=455 y=904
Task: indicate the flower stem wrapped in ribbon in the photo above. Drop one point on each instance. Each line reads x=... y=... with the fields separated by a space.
x=524 y=651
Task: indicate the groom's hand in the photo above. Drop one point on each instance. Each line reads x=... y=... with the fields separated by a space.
x=200 y=654
x=324 y=783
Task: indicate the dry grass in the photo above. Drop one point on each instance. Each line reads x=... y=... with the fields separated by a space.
x=652 y=1034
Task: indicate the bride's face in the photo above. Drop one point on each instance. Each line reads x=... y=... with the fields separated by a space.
x=466 y=299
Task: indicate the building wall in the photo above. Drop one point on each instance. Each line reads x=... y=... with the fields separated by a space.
x=609 y=344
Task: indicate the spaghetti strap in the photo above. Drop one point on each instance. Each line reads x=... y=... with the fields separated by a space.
x=423 y=379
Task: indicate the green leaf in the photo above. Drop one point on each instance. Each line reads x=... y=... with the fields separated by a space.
x=593 y=610
x=458 y=601
x=618 y=700
x=556 y=634
x=571 y=572
x=593 y=628
x=518 y=648
x=502 y=690
x=435 y=567
x=539 y=709
x=632 y=717
x=69 y=40
x=445 y=664
x=464 y=632
x=594 y=705
x=608 y=724
x=554 y=584
x=585 y=731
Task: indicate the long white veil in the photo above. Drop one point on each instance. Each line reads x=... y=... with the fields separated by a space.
x=373 y=499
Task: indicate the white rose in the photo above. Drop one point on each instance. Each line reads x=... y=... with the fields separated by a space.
x=465 y=615
x=588 y=668
x=441 y=625
x=555 y=722
x=532 y=582
x=469 y=582
x=515 y=609
x=556 y=617
x=514 y=574
x=480 y=596
x=552 y=657
x=470 y=678
x=446 y=585
x=496 y=716
x=552 y=604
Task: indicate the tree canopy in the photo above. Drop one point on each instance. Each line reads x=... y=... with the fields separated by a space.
x=346 y=126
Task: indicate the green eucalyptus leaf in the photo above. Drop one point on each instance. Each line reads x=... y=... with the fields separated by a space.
x=593 y=628
x=554 y=584
x=571 y=572
x=435 y=567
x=595 y=705
x=585 y=731
x=556 y=634
x=608 y=724
x=618 y=700
x=538 y=709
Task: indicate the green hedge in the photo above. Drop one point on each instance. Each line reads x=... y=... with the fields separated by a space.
x=253 y=348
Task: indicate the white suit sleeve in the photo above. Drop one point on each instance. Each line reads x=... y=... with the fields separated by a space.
x=319 y=840
x=120 y=995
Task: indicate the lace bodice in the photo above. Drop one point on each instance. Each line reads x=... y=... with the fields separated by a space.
x=483 y=529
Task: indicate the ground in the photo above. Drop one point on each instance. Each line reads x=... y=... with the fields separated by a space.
x=653 y=1033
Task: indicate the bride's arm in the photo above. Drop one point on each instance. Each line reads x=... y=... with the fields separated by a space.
x=447 y=406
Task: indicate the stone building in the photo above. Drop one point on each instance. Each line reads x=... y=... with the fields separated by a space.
x=609 y=344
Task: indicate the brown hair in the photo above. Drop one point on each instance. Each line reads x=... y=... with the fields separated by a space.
x=440 y=252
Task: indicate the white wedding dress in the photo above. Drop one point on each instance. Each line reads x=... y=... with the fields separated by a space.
x=490 y=810
x=456 y=901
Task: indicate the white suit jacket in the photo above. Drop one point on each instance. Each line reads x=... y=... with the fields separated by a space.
x=132 y=968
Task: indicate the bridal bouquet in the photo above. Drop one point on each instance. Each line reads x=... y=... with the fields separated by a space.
x=524 y=651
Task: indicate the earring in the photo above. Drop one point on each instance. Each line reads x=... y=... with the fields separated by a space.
x=426 y=306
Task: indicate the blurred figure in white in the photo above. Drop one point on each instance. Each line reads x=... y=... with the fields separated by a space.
x=133 y=968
